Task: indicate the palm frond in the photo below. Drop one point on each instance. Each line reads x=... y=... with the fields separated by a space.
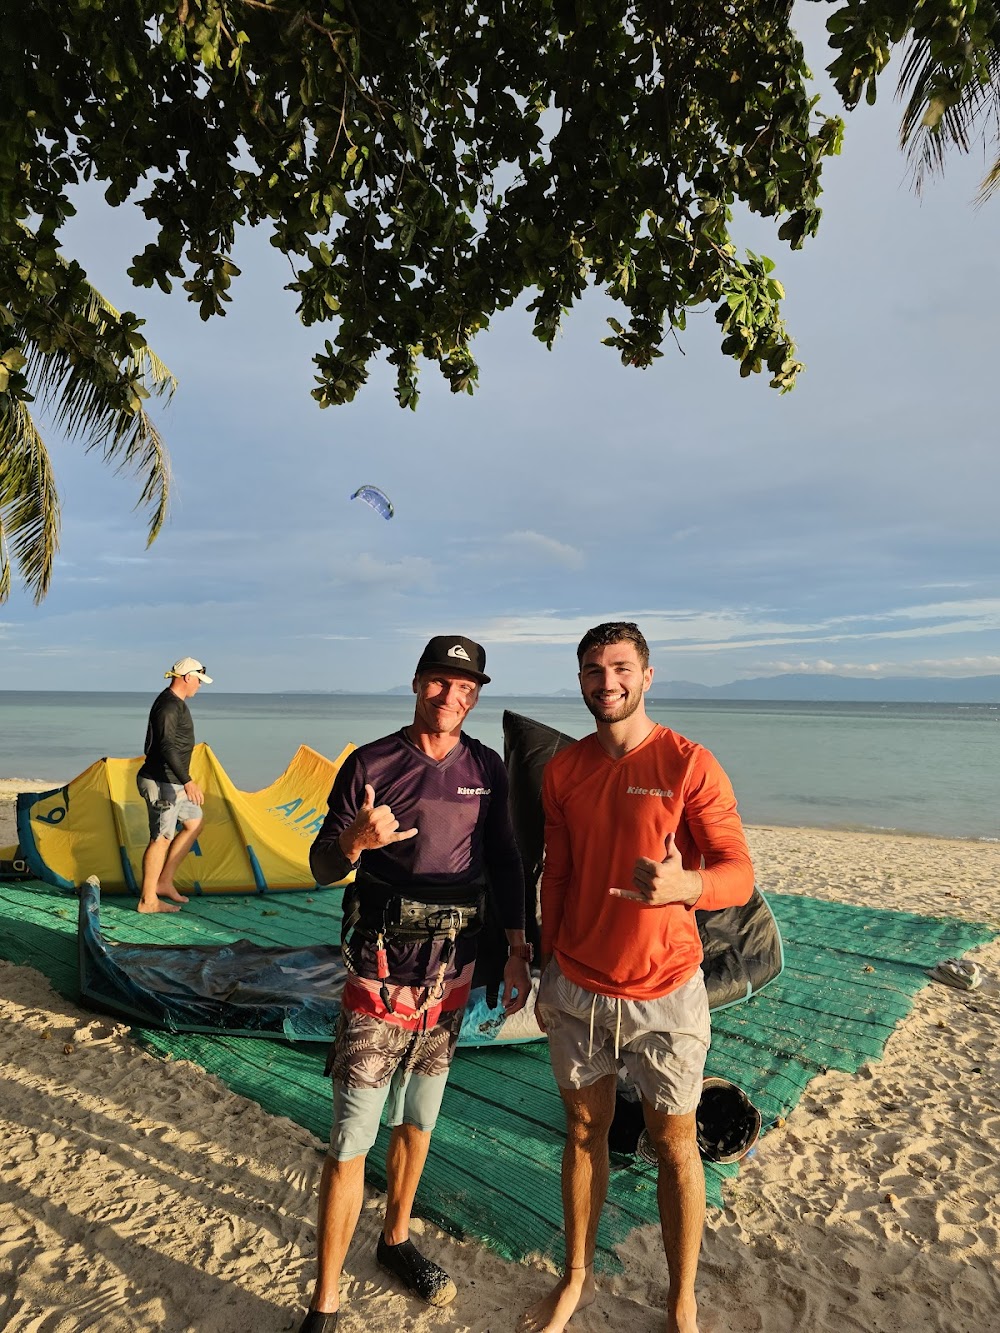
x=125 y=435
x=29 y=505
x=97 y=312
x=948 y=99
x=144 y=452
x=144 y=363
x=97 y=395
x=53 y=362
x=4 y=565
x=990 y=182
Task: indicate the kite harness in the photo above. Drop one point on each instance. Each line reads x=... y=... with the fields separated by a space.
x=378 y=912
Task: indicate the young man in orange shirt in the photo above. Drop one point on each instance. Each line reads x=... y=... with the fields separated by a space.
x=641 y=829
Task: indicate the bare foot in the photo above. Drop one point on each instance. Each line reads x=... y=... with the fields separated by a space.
x=574 y=1291
x=157 y=906
x=168 y=891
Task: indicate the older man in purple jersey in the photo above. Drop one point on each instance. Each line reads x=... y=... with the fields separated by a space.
x=422 y=816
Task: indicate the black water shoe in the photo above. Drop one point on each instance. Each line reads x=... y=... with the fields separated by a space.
x=318 y=1322
x=419 y=1275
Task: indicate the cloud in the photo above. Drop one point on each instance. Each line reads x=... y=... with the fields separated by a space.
x=678 y=628
x=368 y=571
x=337 y=638
x=984 y=610
x=535 y=546
x=45 y=651
x=692 y=630
x=986 y=665
x=786 y=666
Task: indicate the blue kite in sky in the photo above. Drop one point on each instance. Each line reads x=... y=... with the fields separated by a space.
x=378 y=500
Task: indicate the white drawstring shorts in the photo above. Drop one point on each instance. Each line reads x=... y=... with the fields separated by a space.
x=661 y=1043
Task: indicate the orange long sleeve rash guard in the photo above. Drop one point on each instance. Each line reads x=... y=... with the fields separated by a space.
x=600 y=815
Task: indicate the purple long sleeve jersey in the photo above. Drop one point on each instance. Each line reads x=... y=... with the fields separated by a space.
x=458 y=806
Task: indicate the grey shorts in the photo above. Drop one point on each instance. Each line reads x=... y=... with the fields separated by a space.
x=167 y=806
x=379 y=1066
x=662 y=1043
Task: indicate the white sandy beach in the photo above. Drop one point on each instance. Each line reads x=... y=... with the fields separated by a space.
x=138 y=1194
x=9 y=787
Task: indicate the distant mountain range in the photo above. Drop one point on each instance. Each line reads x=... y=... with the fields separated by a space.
x=835 y=689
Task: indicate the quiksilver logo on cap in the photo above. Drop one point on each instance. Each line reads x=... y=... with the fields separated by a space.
x=456 y=650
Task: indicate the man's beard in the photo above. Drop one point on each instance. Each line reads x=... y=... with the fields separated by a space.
x=615 y=711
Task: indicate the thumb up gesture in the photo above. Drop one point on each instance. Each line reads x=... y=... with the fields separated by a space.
x=656 y=883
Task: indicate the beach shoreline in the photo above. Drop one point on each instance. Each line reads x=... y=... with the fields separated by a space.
x=140 y=1194
x=9 y=788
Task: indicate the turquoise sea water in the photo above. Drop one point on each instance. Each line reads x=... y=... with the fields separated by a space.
x=918 y=768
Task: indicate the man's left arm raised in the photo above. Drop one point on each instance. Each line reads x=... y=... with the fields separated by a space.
x=727 y=874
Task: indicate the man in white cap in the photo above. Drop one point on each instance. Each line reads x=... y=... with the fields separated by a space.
x=172 y=796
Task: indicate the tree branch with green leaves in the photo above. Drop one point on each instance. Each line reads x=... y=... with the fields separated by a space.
x=425 y=166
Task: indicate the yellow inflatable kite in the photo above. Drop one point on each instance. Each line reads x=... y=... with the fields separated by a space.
x=249 y=841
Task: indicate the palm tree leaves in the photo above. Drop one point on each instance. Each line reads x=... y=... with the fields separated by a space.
x=29 y=505
x=951 y=81
x=91 y=372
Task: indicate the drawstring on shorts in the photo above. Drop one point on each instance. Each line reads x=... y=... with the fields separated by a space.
x=618 y=1027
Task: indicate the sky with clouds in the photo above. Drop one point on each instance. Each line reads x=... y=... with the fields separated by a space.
x=850 y=526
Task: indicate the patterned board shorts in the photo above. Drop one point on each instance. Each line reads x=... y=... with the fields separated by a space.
x=378 y=1065
x=167 y=806
x=661 y=1043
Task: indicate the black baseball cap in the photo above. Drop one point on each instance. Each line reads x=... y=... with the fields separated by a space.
x=454 y=652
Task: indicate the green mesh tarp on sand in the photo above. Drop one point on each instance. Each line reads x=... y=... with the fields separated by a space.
x=493 y=1172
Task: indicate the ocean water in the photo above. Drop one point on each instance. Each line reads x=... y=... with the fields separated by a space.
x=915 y=768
